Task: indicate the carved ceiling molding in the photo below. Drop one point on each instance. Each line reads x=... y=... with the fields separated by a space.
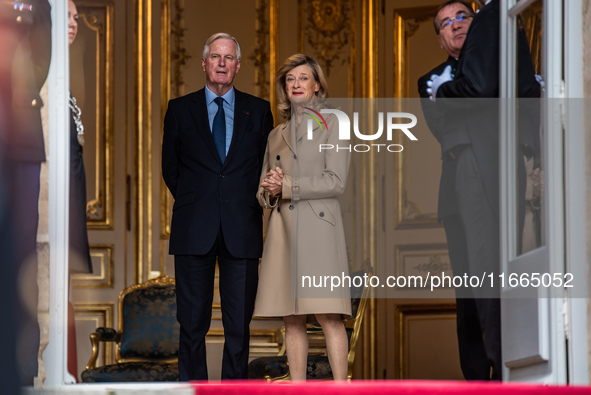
x=327 y=28
x=412 y=25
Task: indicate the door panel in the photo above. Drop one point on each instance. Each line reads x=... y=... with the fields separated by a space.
x=410 y=240
x=532 y=317
x=98 y=69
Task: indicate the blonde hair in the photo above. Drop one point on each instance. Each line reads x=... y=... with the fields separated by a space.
x=289 y=64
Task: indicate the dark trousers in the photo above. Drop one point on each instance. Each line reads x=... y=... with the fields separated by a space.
x=24 y=186
x=9 y=374
x=473 y=243
x=238 y=279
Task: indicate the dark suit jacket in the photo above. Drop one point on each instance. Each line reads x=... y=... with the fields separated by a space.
x=435 y=116
x=209 y=194
x=477 y=76
x=447 y=135
x=24 y=136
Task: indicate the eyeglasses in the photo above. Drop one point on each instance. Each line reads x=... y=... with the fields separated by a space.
x=291 y=80
x=460 y=17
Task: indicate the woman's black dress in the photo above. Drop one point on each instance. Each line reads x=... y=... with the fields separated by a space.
x=79 y=250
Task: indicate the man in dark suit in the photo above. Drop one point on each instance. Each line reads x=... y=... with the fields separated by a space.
x=451 y=34
x=212 y=153
x=451 y=21
x=458 y=16
x=25 y=31
x=468 y=131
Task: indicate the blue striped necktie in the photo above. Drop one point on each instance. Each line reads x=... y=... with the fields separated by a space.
x=219 y=129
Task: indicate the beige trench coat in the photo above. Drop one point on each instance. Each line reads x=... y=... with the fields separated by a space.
x=304 y=251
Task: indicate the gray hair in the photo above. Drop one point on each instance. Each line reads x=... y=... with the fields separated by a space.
x=217 y=36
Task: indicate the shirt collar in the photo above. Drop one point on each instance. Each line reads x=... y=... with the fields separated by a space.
x=228 y=96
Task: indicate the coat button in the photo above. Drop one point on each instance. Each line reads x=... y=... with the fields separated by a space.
x=222 y=176
x=295 y=156
x=34 y=103
x=291 y=206
x=321 y=214
x=19 y=19
x=278 y=209
x=278 y=157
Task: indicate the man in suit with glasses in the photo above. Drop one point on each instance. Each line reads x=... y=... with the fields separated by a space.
x=464 y=116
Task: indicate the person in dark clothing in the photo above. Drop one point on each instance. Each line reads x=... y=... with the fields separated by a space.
x=468 y=131
x=25 y=29
x=212 y=154
x=79 y=254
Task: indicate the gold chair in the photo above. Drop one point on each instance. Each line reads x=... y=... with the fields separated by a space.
x=276 y=368
x=147 y=341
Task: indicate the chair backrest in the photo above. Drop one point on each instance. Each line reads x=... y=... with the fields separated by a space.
x=359 y=294
x=147 y=322
x=357 y=290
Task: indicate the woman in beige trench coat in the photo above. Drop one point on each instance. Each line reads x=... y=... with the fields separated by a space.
x=305 y=252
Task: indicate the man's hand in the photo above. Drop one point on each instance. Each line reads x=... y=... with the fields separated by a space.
x=437 y=80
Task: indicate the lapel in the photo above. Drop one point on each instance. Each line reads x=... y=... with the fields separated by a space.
x=302 y=130
x=241 y=122
x=286 y=135
x=198 y=109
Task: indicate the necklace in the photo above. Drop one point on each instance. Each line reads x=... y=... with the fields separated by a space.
x=76 y=113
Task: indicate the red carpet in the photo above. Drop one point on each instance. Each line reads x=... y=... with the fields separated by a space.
x=384 y=387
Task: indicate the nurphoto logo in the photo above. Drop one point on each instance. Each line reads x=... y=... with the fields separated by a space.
x=395 y=121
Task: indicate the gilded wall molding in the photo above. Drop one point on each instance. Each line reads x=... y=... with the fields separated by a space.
x=369 y=191
x=103 y=315
x=405 y=312
x=166 y=89
x=96 y=94
x=143 y=144
x=174 y=59
x=408 y=214
x=327 y=27
x=179 y=55
x=165 y=92
x=274 y=53
x=104 y=276
x=352 y=92
x=141 y=120
x=420 y=259
x=260 y=56
x=151 y=271
x=406 y=23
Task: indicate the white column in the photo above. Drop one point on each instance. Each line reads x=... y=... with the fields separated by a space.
x=576 y=184
x=55 y=356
